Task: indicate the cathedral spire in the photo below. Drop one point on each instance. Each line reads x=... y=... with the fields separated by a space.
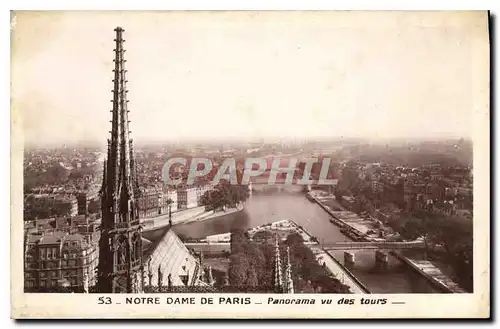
x=120 y=249
x=120 y=175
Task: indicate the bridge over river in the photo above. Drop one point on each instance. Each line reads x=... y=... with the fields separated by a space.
x=374 y=245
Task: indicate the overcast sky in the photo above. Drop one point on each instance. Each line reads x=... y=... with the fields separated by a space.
x=248 y=75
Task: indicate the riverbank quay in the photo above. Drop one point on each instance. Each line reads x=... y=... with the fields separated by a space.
x=356 y=227
x=432 y=273
x=186 y=216
x=338 y=270
x=347 y=229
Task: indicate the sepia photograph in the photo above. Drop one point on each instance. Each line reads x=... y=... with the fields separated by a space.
x=284 y=160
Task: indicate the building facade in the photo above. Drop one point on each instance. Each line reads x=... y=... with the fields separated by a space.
x=84 y=198
x=153 y=201
x=149 y=201
x=190 y=196
x=60 y=259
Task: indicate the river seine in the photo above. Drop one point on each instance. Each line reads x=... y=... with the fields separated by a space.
x=265 y=208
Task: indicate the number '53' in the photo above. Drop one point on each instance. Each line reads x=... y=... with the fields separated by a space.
x=104 y=300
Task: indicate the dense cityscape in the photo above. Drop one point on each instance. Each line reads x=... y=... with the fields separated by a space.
x=409 y=191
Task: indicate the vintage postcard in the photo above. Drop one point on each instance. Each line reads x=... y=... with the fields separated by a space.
x=250 y=164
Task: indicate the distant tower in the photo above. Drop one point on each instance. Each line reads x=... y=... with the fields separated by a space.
x=288 y=274
x=120 y=247
x=278 y=278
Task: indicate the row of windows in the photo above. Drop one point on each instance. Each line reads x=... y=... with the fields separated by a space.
x=29 y=283
x=31 y=265
x=64 y=263
x=50 y=283
x=53 y=253
x=52 y=274
x=64 y=271
x=47 y=253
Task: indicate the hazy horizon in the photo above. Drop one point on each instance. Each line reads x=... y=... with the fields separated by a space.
x=391 y=142
x=247 y=76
